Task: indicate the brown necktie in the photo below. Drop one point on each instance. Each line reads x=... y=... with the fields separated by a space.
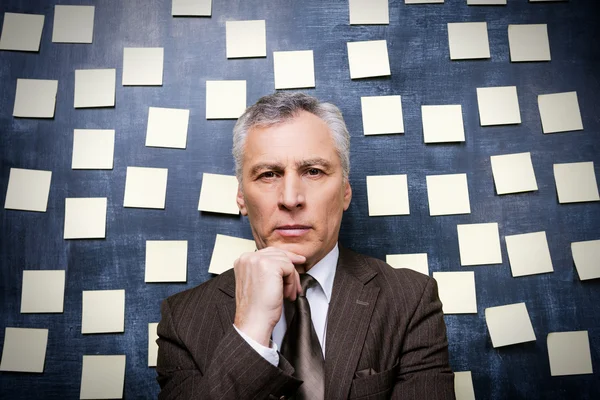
x=301 y=347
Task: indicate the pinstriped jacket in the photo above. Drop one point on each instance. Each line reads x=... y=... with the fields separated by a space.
x=386 y=338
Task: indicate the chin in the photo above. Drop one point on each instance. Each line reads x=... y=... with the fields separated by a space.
x=302 y=249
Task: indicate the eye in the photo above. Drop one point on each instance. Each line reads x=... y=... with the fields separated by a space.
x=314 y=172
x=267 y=175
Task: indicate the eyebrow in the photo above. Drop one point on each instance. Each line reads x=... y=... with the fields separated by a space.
x=299 y=165
x=313 y=161
x=265 y=166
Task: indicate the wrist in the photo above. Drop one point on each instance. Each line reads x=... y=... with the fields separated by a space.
x=258 y=331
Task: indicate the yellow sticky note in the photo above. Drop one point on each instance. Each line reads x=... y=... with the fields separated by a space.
x=498 y=106
x=246 y=39
x=218 y=194
x=368 y=59
x=102 y=377
x=225 y=99
x=463 y=386
x=560 y=112
x=369 y=12
x=227 y=249
x=388 y=195
x=43 y=291
x=85 y=218
x=416 y=262
x=95 y=87
x=382 y=115
x=28 y=190
x=569 y=353
x=145 y=187
x=576 y=182
x=294 y=69
x=513 y=173
x=93 y=149
x=103 y=311
x=166 y=261
x=457 y=292
x=528 y=254
x=152 y=346
x=468 y=40
x=167 y=127
x=189 y=8
x=479 y=244
x=24 y=350
x=586 y=256
x=21 y=32
x=73 y=24
x=528 y=42
x=35 y=98
x=443 y=123
x=509 y=324
x=143 y=66
x=448 y=194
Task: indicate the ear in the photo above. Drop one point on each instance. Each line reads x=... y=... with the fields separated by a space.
x=241 y=202
x=347 y=194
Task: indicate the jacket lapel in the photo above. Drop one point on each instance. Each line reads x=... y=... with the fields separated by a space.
x=350 y=309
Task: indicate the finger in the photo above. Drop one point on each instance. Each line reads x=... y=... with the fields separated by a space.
x=294 y=257
x=294 y=281
x=291 y=277
x=290 y=287
x=289 y=292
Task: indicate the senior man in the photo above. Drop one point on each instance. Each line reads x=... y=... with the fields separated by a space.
x=302 y=317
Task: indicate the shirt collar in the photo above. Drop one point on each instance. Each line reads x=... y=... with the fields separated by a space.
x=324 y=271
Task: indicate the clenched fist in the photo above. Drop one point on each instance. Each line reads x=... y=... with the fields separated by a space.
x=263 y=280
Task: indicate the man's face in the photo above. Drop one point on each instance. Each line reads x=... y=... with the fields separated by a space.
x=292 y=188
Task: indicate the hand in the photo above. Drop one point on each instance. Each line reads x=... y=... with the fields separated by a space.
x=263 y=279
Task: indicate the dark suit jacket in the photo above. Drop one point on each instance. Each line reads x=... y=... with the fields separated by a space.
x=385 y=338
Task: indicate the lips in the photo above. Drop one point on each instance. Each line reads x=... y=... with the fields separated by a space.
x=292 y=230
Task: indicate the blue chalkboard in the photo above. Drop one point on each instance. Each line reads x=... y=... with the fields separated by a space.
x=421 y=72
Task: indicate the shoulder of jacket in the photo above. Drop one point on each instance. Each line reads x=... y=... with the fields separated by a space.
x=396 y=276
x=203 y=292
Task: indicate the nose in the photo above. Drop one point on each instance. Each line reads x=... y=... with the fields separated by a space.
x=291 y=196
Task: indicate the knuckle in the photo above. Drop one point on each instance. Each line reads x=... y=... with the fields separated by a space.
x=243 y=259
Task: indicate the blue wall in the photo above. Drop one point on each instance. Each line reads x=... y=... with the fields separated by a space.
x=422 y=73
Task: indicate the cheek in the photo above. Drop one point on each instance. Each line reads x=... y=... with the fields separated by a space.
x=259 y=208
x=334 y=207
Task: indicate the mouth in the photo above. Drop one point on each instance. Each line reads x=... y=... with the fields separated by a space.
x=292 y=230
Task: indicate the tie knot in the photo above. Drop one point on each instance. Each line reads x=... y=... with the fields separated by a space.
x=306 y=281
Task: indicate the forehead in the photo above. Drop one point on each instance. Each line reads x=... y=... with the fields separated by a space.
x=303 y=136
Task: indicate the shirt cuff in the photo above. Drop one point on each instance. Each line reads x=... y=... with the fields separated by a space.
x=268 y=353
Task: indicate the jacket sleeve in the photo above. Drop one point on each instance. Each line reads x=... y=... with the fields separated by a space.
x=424 y=371
x=235 y=371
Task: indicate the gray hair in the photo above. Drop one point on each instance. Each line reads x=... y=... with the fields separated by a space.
x=280 y=107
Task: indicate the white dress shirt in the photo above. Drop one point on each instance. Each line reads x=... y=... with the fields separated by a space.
x=318 y=297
